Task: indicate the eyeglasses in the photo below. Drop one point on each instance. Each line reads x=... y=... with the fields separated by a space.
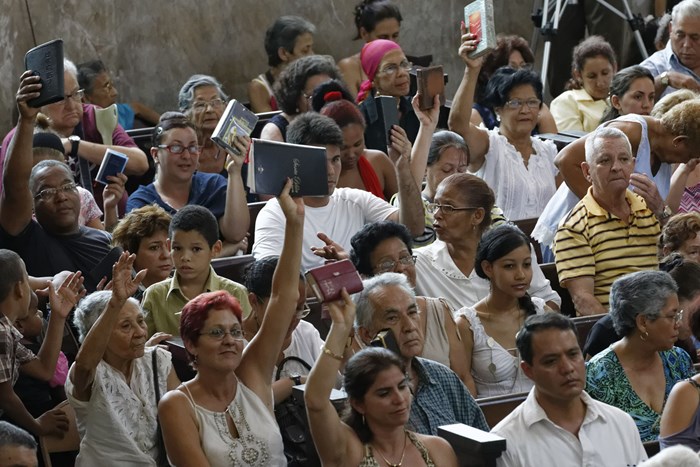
x=393 y=68
x=446 y=208
x=218 y=334
x=303 y=313
x=517 y=104
x=49 y=193
x=202 y=105
x=390 y=265
x=179 y=148
x=76 y=96
x=676 y=317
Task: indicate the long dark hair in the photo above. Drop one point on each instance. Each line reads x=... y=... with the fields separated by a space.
x=620 y=84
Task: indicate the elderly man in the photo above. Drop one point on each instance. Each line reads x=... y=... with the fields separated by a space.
x=610 y=232
x=439 y=397
x=345 y=210
x=559 y=424
x=17 y=447
x=678 y=65
x=54 y=242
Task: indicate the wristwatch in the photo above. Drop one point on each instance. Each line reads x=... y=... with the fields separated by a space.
x=74 y=143
x=665 y=214
x=663 y=78
x=296 y=379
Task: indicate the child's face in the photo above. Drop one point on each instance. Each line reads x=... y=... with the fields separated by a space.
x=191 y=253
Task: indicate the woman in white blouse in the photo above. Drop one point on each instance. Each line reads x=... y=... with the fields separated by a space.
x=518 y=167
x=111 y=384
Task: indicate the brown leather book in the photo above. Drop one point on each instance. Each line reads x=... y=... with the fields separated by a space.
x=431 y=82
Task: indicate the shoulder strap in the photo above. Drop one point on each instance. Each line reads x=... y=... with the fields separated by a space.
x=694 y=384
x=154 y=356
x=421 y=448
x=280 y=367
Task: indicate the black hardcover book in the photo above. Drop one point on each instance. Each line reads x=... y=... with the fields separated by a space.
x=270 y=163
x=388 y=114
x=46 y=61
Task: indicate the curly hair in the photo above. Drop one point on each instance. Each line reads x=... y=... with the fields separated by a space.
x=499 y=57
x=684 y=120
x=139 y=224
x=370 y=12
x=671 y=100
x=369 y=237
x=590 y=47
x=186 y=95
x=290 y=85
x=678 y=230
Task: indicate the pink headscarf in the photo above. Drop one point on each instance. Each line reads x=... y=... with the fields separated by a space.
x=370 y=58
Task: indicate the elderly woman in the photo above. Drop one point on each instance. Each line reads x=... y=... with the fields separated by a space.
x=462 y=211
x=112 y=384
x=379 y=396
x=289 y=38
x=386 y=246
x=294 y=91
x=178 y=183
x=519 y=167
x=583 y=104
x=224 y=416
x=637 y=373
x=145 y=232
x=374 y=19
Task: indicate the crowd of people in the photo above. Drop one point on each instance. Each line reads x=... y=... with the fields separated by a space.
x=426 y=211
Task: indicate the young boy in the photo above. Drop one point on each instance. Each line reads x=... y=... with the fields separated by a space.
x=15 y=297
x=194 y=242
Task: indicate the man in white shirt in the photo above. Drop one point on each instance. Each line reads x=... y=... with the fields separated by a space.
x=345 y=210
x=559 y=423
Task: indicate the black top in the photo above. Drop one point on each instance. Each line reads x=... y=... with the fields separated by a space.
x=282 y=123
x=375 y=138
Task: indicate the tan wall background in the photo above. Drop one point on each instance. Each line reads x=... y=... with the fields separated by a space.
x=153 y=46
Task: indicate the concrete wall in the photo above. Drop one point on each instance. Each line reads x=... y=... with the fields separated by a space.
x=153 y=46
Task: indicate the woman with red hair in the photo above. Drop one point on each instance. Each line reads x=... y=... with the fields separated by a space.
x=229 y=402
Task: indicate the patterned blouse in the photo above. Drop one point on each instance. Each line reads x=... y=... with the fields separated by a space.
x=606 y=381
x=370 y=461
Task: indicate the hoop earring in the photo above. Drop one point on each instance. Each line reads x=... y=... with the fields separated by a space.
x=644 y=336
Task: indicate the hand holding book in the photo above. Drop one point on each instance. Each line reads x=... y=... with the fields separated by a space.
x=235 y=157
x=469 y=44
x=400 y=144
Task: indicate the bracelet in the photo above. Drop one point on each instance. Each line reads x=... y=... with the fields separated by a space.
x=330 y=353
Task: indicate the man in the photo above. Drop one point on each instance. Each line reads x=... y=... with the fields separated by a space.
x=439 y=396
x=344 y=210
x=54 y=242
x=559 y=424
x=17 y=447
x=610 y=232
x=677 y=66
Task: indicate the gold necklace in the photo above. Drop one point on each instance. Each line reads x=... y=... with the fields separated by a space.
x=403 y=453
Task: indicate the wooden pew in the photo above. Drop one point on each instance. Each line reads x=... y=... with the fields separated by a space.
x=232 y=267
x=567 y=305
x=474 y=447
x=143 y=137
x=527 y=226
x=180 y=361
x=263 y=119
x=253 y=211
x=583 y=326
x=322 y=325
x=496 y=408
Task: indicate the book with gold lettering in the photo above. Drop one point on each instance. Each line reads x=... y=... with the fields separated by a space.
x=478 y=17
x=270 y=163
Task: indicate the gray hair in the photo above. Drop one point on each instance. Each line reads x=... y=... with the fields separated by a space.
x=639 y=293
x=442 y=140
x=46 y=164
x=69 y=67
x=186 y=94
x=364 y=309
x=90 y=309
x=11 y=435
x=674 y=456
x=593 y=145
x=685 y=9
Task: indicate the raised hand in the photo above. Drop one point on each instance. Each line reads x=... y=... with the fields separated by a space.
x=400 y=147
x=113 y=191
x=428 y=117
x=235 y=159
x=293 y=208
x=467 y=46
x=64 y=299
x=53 y=422
x=331 y=250
x=29 y=88
x=342 y=312
x=123 y=285
x=646 y=188
x=157 y=338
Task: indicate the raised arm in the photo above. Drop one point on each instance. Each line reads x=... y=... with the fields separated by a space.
x=421 y=146
x=568 y=161
x=82 y=373
x=679 y=181
x=16 y=203
x=236 y=219
x=410 y=212
x=460 y=114
x=260 y=356
x=332 y=438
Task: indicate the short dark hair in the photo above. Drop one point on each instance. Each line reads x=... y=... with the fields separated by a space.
x=620 y=84
x=504 y=80
x=283 y=33
x=11 y=435
x=331 y=91
x=290 y=85
x=138 y=224
x=45 y=165
x=258 y=276
x=590 y=47
x=11 y=272
x=196 y=218
x=88 y=72
x=369 y=236
x=314 y=129
x=360 y=373
x=370 y=12
x=536 y=323
x=500 y=56
x=167 y=122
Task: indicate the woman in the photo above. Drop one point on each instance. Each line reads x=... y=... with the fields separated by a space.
x=629 y=374
x=176 y=154
x=294 y=90
x=386 y=246
x=462 y=210
x=582 y=105
x=203 y=100
x=514 y=52
x=361 y=168
x=374 y=19
x=631 y=92
x=387 y=70
x=111 y=384
x=302 y=340
x=519 y=167
x=503 y=258
x=229 y=403
x=681 y=234
x=145 y=232
x=379 y=406
x=289 y=38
